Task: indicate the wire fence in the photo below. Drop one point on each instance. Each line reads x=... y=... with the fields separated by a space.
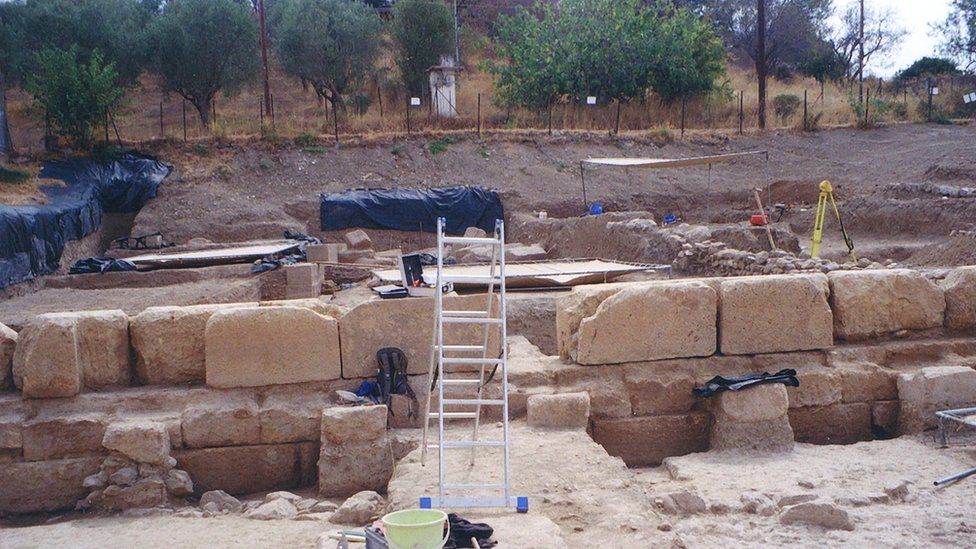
x=296 y=114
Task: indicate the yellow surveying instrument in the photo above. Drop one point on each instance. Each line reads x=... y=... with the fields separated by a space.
x=827 y=193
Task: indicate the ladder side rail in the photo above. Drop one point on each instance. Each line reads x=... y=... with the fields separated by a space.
x=438 y=311
x=504 y=343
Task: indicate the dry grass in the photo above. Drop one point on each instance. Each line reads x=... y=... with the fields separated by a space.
x=298 y=113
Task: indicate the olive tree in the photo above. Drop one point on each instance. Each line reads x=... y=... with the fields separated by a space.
x=331 y=44
x=423 y=31
x=203 y=47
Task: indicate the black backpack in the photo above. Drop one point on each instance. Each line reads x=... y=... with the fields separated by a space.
x=392 y=378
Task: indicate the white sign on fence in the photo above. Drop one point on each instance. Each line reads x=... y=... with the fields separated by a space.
x=935 y=91
x=591 y=100
x=969 y=98
x=414 y=101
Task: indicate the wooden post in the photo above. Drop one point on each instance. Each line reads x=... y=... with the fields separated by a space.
x=742 y=114
x=930 y=100
x=867 y=106
x=408 y=113
x=616 y=124
x=479 y=116
x=184 y=120
x=682 y=118
x=162 y=132
x=261 y=115
x=549 y=116
x=335 y=121
x=379 y=98
x=806 y=126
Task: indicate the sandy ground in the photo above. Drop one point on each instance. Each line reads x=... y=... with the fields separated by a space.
x=581 y=497
x=854 y=478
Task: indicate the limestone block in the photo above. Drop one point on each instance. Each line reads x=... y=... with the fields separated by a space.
x=358 y=240
x=10 y=435
x=320 y=305
x=646 y=441
x=140 y=441
x=758 y=403
x=249 y=469
x=818 y=387
x=960 y=294
x=604 y=384
x=8 y=343
x=45 y=363
x=325 y=253
x=144 y=494
x=872 y=303
x=533 y=317
x=771 y=314
x=752 y=419
x=925 y=391
x=206 y=426
x=169 y=343
x=834 y=424
x=653 y=393
x=255 y=346
x=650 y=322
x=61 y=437
x=302 y=274
x=868 y=383
x=103 y=348
x=355 y=452
x=407 y=324
x=35 y=486
x=573 y=308
x=561 y=411
x=284 y=420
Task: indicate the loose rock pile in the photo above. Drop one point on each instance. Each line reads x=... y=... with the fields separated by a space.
x=716 y=258
x=138 y=473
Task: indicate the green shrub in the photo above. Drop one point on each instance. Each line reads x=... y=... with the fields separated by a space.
x=305 y=139
x=13 y=175
x=785 y=106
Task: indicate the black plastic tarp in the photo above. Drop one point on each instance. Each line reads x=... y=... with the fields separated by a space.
x=411 y=209
x=32 y=238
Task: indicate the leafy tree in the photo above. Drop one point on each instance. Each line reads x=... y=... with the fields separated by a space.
x=331 y=44
x=76 y=94
x=959 y=32
x=112 y=27
x=881 y=36
x=605 y=48
x=795 y=29
x=203 y=47
x=929 y=66
x=422 y=30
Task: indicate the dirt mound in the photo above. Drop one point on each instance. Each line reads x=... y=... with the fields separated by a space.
x=955 y=250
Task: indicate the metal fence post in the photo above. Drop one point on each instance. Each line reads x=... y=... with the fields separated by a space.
x=806 y=126
x=741 y=110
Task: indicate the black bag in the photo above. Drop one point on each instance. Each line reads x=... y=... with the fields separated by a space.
x=392 y=378
x=463 y=530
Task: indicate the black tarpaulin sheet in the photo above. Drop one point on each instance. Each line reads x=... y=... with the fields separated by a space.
x=32 y=238
x=411 y=209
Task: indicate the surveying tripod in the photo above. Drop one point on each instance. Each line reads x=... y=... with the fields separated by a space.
x=827 y=193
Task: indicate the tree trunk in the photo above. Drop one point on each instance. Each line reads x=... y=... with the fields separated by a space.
x=264 y=58
x=203 y=105
x=761 y=60
x=6 y=146
x=860 y=57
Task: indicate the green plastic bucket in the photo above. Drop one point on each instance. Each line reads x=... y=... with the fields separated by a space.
x=416 y=529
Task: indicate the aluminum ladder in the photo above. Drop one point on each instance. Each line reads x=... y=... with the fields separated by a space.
x=471 y=353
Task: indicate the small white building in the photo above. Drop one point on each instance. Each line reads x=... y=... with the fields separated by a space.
x=443 y=87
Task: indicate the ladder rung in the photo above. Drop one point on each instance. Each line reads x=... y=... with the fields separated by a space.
x=473 y=401
x=448 y=486
x=455 y=415
x=471 y=279
x=462 y=348
x=451 y=360
x=461 y=381
x=471 y=320
x=470 y=240
x=472 y=443
x=449 y=502
x=464 y=313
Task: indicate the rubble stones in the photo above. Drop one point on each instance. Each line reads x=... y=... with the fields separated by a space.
x=273 y=510
x=220 y=500
x=825 y=515
x=359 y=509
x=355 y=452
